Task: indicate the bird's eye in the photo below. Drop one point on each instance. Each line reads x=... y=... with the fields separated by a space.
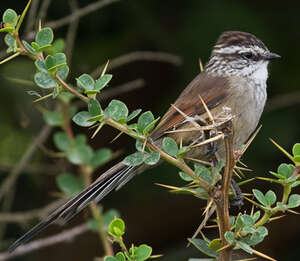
x=247 y=55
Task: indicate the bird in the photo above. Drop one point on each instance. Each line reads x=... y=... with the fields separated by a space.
x=234 y=81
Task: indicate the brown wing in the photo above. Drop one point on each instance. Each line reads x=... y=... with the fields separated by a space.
x=213 y=90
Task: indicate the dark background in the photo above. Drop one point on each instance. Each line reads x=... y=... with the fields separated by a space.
x=184 y=28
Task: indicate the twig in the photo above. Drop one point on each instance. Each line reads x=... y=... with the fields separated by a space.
x=123 y=88
x=81 y=12
x=139 y=56
x=16 y=171
x=22 y=217
x=64 y=237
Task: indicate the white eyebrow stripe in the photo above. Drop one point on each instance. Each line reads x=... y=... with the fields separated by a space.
x=237 y=49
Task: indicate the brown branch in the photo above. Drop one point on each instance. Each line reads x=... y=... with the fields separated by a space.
x=81 y=12
x=23 y=217
x=222 y=196
x=17 y=170
x=65 y=236
x=139 y=56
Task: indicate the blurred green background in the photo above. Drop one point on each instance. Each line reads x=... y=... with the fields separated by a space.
x=184 y=28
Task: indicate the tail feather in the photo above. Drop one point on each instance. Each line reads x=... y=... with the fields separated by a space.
x=113 y=178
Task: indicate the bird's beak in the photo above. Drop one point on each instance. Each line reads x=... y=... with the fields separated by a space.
x=270 y=56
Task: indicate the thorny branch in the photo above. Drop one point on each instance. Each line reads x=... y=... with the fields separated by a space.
x=222 y=196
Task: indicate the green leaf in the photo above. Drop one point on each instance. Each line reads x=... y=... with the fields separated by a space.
x=260 y=197
x=170 y=146
x=203 y=172
x=230 y=237
x=69 y=184
x=45 y=80
x=144 y=120
x=56 y=61
x=10 y=17
x=239 y=223
x=81 y=119
x=120 y=256
x=110 y=258
x=297 y=159
x=277 y=175
x=244 y=247
x=80 y=154
x=44 y=36
x=247 y=220
x=294 y=201
x=133 y=115
x=285 y=170
x=142 y=252
x=117 y=228
x=152 y=158
x=295 y=184
x=94 y=107
x=86 y=82
x=40 y=65
x=270 y=197
x=134 y=159
x=101 y=157
x=150 y=126
x=202 y=246
x=185 y=176
x=8 y=29
x=116 y=110
x=202 y=259
x=282 y=206
x=296 y=149
x=29 y=48
x=11 y=43
x=102 y=82
x=182 y=151
x=63 y=72
x=62 y=141
x=58 y=46
x=35 y=46
x=53 y=118
x=248 y=230
x=109 y=216
x=256 y=215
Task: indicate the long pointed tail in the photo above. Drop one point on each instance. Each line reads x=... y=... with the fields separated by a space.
x=112 y=179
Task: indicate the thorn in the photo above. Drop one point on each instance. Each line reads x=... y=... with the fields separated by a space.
x=97 y=130
x=283 y=150
x=105 y=68
x=10 y=58
x=276 y=218
x=200 y=161
x=40 y=24
x=223 y=248
x=207 y=110
x=263 y=255
x=200 y=65
x=42 y=98
x=115 y=138
x=250 y=140
x=248 y=259
x=217 y=137
x=185 y=116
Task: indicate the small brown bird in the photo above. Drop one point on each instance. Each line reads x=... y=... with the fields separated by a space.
x=233 y=81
